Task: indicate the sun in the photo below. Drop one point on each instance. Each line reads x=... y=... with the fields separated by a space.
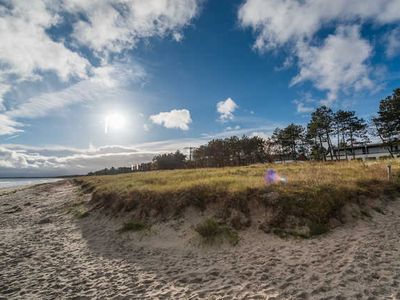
x=114 y=121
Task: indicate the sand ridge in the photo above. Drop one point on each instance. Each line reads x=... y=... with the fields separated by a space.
x=46 y=253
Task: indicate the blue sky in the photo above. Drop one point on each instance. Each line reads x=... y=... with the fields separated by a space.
x=167 y=74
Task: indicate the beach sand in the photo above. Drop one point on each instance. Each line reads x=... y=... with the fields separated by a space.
x=47 y=253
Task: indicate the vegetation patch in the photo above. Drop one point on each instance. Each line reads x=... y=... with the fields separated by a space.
x=134 y=225
x=314 y=193
x=79 y=212
x=211 y=231
x=318 y=229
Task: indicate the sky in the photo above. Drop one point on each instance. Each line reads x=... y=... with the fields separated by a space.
x=89 y=84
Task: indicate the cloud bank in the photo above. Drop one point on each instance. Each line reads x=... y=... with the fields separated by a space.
x=24 y=160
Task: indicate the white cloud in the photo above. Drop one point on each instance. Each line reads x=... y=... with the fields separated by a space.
x=305 y=103
x=302 y=108
x=339 y=64
x=115 y=25
x=393 y=43
x=226 y=109
x=177 y=36
x=27 y=50
x=278 y=23
x=176 y=118
x=230 y=128
x=8 y=125
x=261 y=134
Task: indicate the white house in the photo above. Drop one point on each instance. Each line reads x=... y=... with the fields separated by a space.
x=368 y=151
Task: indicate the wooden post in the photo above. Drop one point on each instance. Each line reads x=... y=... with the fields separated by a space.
x=389 y=172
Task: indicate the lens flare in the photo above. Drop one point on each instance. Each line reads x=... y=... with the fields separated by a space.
x=272 y=177
x=114 y=121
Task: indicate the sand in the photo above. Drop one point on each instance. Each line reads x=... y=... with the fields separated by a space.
x=47 y=253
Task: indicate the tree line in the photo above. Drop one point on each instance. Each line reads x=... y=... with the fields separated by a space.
x=329 y=135
x=333 y=135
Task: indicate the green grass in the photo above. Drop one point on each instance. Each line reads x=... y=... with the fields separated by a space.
x=315 y=192
x=211 y=231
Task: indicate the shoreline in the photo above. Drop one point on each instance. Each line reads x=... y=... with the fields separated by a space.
x=48 y=253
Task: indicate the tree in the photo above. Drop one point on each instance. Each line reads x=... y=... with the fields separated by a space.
x=341 y=119
x=231 y=151
x=290 y=140
x=320 y=128
x=350 y=128
x=357 y=129
x=277 y=139
x=170 y=161
x=387 y=123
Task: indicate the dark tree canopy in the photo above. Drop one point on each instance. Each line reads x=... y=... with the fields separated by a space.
x=231 y=151
x=169 y=161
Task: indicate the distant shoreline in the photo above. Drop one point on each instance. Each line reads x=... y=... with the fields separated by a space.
x=42 y=177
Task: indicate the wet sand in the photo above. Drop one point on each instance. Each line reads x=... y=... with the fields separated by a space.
x=47 y=253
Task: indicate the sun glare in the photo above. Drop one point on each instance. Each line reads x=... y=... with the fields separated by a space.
x=113 y=122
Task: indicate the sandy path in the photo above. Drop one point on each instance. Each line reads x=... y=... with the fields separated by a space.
x=70 y=258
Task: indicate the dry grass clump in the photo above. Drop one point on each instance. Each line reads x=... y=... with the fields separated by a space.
x=315 y=192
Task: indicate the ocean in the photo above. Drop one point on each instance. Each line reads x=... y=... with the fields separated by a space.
x=15 y=182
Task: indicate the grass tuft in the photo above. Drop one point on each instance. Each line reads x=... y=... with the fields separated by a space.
x=81 y=213
x=134 y=225
x=211 y=232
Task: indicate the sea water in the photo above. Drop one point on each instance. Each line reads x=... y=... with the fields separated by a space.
x=16 y=182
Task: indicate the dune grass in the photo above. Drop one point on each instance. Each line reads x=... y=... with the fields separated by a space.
x=314 y=193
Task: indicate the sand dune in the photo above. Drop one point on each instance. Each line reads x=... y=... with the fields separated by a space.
x=46 y=253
